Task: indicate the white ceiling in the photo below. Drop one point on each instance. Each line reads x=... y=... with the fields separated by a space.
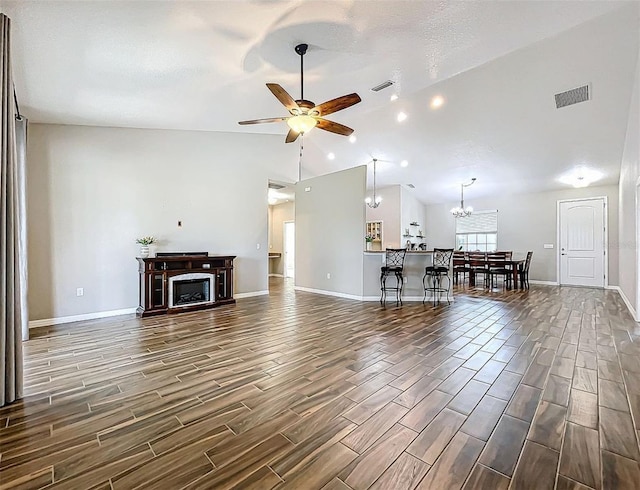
x=203 y=65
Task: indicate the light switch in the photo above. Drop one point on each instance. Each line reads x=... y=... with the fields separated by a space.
x=548 y=245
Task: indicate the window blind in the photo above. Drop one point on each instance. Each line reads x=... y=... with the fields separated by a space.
x=478 y=222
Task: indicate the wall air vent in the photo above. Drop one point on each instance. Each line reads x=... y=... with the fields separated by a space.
x=273 y=185
x=573 y=96
x=382 y=86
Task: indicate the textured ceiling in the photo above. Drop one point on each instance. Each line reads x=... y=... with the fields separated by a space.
x=203 y=65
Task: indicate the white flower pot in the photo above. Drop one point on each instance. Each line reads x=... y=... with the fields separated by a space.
x=144 y=251
x=368 y=245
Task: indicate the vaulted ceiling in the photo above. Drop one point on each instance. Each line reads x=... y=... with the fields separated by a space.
x=497 y=65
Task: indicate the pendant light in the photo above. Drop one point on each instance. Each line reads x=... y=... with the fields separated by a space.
x=375 y=201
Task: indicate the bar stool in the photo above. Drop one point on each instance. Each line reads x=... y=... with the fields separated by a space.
x=394 y=264
x=436 y=272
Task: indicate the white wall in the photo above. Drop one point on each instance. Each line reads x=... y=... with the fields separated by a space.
x=526 y=222
x=412 y=211
x=629 y=175
x=278 y=214
x=93 y=190
x=389 y=213
x=330 y=226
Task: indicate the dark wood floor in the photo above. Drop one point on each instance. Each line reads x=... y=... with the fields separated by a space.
x=537 y=389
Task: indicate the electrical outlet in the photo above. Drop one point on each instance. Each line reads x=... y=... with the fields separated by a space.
x=406 y=279
x=257 y=246
x=548 y=245
x=179 y=224
x=328 y=275
x=80 y=292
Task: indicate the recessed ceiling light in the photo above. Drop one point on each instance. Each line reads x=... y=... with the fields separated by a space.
x=401 y=116
x=393 y=97
x=437 y=101
x=331 y=156
x=352 y=138
x=581 y=177
x=404 y=163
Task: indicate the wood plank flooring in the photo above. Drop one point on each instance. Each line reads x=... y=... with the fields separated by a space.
x=513 y=389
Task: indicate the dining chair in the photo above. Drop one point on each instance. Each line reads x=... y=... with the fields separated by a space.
x=394 y=265
x=497 y=266
x=478 y=265
x=460 y=265
x=523 y=272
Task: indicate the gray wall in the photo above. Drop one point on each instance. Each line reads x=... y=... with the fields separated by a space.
x=629 y=174
x=278 y=214
x=93 y=190
x=527 y=222
x=330 y=226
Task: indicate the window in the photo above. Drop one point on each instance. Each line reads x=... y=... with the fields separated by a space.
x=478 y=232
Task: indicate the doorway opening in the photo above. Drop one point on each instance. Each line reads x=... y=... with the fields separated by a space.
x=281 y=219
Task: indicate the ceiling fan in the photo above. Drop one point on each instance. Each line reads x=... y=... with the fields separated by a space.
x=305 y=115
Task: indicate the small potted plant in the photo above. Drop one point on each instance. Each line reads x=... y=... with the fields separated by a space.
x=144 y=243
x=369 y=239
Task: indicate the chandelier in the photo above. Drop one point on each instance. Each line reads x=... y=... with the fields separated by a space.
x=375 y=201
x=461 y=211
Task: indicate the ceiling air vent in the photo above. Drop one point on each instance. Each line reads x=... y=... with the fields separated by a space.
x=573 y=96
x=273 y=185
x=382 y=86
x=411 y=186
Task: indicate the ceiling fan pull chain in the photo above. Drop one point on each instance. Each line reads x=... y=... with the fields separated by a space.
x=300 y=159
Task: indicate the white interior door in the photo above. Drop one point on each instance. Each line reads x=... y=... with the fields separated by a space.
x=289 y=249
x=582 y=237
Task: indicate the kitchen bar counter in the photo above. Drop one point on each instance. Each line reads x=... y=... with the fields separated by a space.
x=414 y=263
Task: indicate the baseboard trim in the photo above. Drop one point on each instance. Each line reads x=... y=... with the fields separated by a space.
x=543 y=283
x=632 y=310
x=46 y=322
x=251 y=294
x=328 y=293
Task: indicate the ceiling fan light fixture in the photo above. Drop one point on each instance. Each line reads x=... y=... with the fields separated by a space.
x=302 y=123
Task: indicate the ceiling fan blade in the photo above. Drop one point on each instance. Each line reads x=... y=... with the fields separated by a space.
x=333 y=127
x=283 y=96
x=291 y=136
x=262 y=121
x=338 y=104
